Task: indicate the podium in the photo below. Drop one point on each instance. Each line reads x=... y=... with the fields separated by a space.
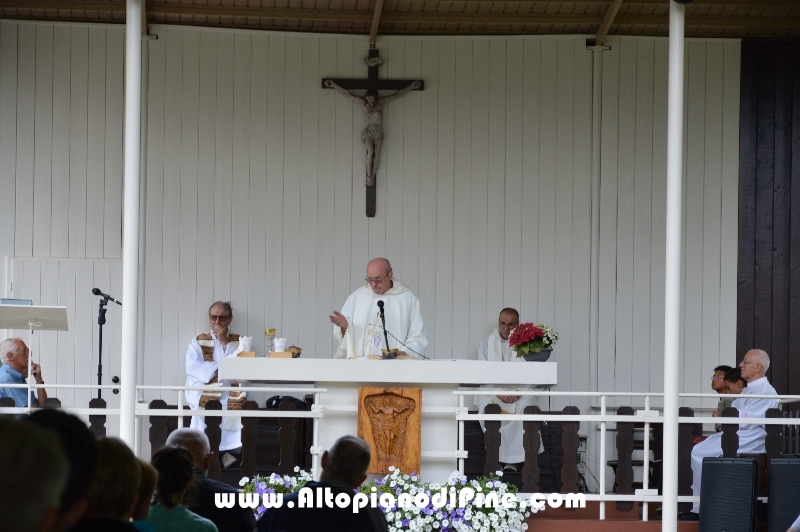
x=33 y=318
x=437 y=378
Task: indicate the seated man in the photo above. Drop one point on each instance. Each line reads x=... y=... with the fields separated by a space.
x=495 y=348
x=718 y=385
x=754 y=366
x=344 y=468
x=236 y=519
x=202 y=364
x=734 y=382
x=14 y=356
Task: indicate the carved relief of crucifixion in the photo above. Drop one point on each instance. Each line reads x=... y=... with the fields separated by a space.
x=372 y=136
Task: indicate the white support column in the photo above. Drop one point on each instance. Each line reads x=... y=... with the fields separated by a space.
x=672 y=281
x=130 y=219
x=597 y=128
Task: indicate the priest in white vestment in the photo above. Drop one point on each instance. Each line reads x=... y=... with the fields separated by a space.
x=358 y=327
x=495 y=348
x=754 y=367
x=202 y=363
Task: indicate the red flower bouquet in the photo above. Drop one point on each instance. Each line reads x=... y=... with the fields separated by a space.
x=529 y=338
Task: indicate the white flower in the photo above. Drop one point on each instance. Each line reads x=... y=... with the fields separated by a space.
x=244 y=481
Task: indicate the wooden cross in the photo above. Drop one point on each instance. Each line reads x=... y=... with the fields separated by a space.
x=372 y=85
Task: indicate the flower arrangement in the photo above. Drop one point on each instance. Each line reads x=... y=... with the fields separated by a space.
x=452 y=515
x=274 y=483
x=529 y=338
x=444 y=510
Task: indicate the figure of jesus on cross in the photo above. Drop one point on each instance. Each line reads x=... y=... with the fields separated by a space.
x=372 y=136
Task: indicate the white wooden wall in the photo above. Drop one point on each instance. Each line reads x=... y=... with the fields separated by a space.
x=255 y=191
x=633 y=212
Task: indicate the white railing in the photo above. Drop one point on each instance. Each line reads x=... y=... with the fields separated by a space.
x=648 y=415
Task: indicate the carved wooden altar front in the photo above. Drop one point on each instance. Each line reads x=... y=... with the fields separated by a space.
x=389 y=421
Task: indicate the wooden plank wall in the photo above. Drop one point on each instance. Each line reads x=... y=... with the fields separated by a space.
x=769 y=206
x=255 y=191
x=633 y=206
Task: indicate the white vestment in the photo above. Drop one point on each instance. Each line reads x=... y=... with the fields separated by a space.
x=496 y=349
x=198 y=373
x=364 y=335
x=751 y=437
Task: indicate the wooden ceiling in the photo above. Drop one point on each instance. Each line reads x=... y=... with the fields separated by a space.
x=704 y=18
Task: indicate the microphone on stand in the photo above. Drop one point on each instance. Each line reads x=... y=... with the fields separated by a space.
x=383 y=323
x=101 y=320
x=97 y=292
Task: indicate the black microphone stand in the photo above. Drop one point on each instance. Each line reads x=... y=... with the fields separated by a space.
x=385 y=336
x=101 y=320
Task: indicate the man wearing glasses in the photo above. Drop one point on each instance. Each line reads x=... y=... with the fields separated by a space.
x=358 y=327
x=754 y=367
x=202 y=363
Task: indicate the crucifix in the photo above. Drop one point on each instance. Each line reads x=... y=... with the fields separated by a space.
x=372 y=136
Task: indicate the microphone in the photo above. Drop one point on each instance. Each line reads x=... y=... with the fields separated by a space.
x=97 y=292
x=383 y=323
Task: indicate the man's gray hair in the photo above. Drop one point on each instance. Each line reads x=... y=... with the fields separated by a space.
x=34 y=474
x=7 y=346
x=193 y=440
x=224 y=304
x=348 y=459
x=763 y=358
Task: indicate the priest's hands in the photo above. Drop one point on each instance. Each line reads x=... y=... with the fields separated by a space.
x=338 y=319
x=509 y=398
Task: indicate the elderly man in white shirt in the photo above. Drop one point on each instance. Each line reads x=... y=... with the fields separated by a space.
x=754 y=367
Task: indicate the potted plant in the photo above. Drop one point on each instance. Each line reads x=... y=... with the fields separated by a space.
x=533 y=342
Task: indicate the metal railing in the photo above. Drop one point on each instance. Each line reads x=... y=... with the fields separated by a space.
x=647 y=415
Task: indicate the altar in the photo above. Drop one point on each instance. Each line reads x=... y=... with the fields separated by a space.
x=438 y=379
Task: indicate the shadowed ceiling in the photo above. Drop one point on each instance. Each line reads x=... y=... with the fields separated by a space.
x=704 y=18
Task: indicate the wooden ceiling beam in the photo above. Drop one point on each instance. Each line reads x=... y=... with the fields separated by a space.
x=263 y=12
x=608 y=20
x=376 y=20
x=743 y=22
x=105 y=5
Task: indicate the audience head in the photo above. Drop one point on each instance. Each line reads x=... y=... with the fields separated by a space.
x=175 y=474
x=148 y=476
x=194 y=441
x=718 y=379
x=734 y=382
x=509 y=318
x=347 y=460
x=80 y=447
x=35 y=473
x=754 y=365
x=112 y=494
